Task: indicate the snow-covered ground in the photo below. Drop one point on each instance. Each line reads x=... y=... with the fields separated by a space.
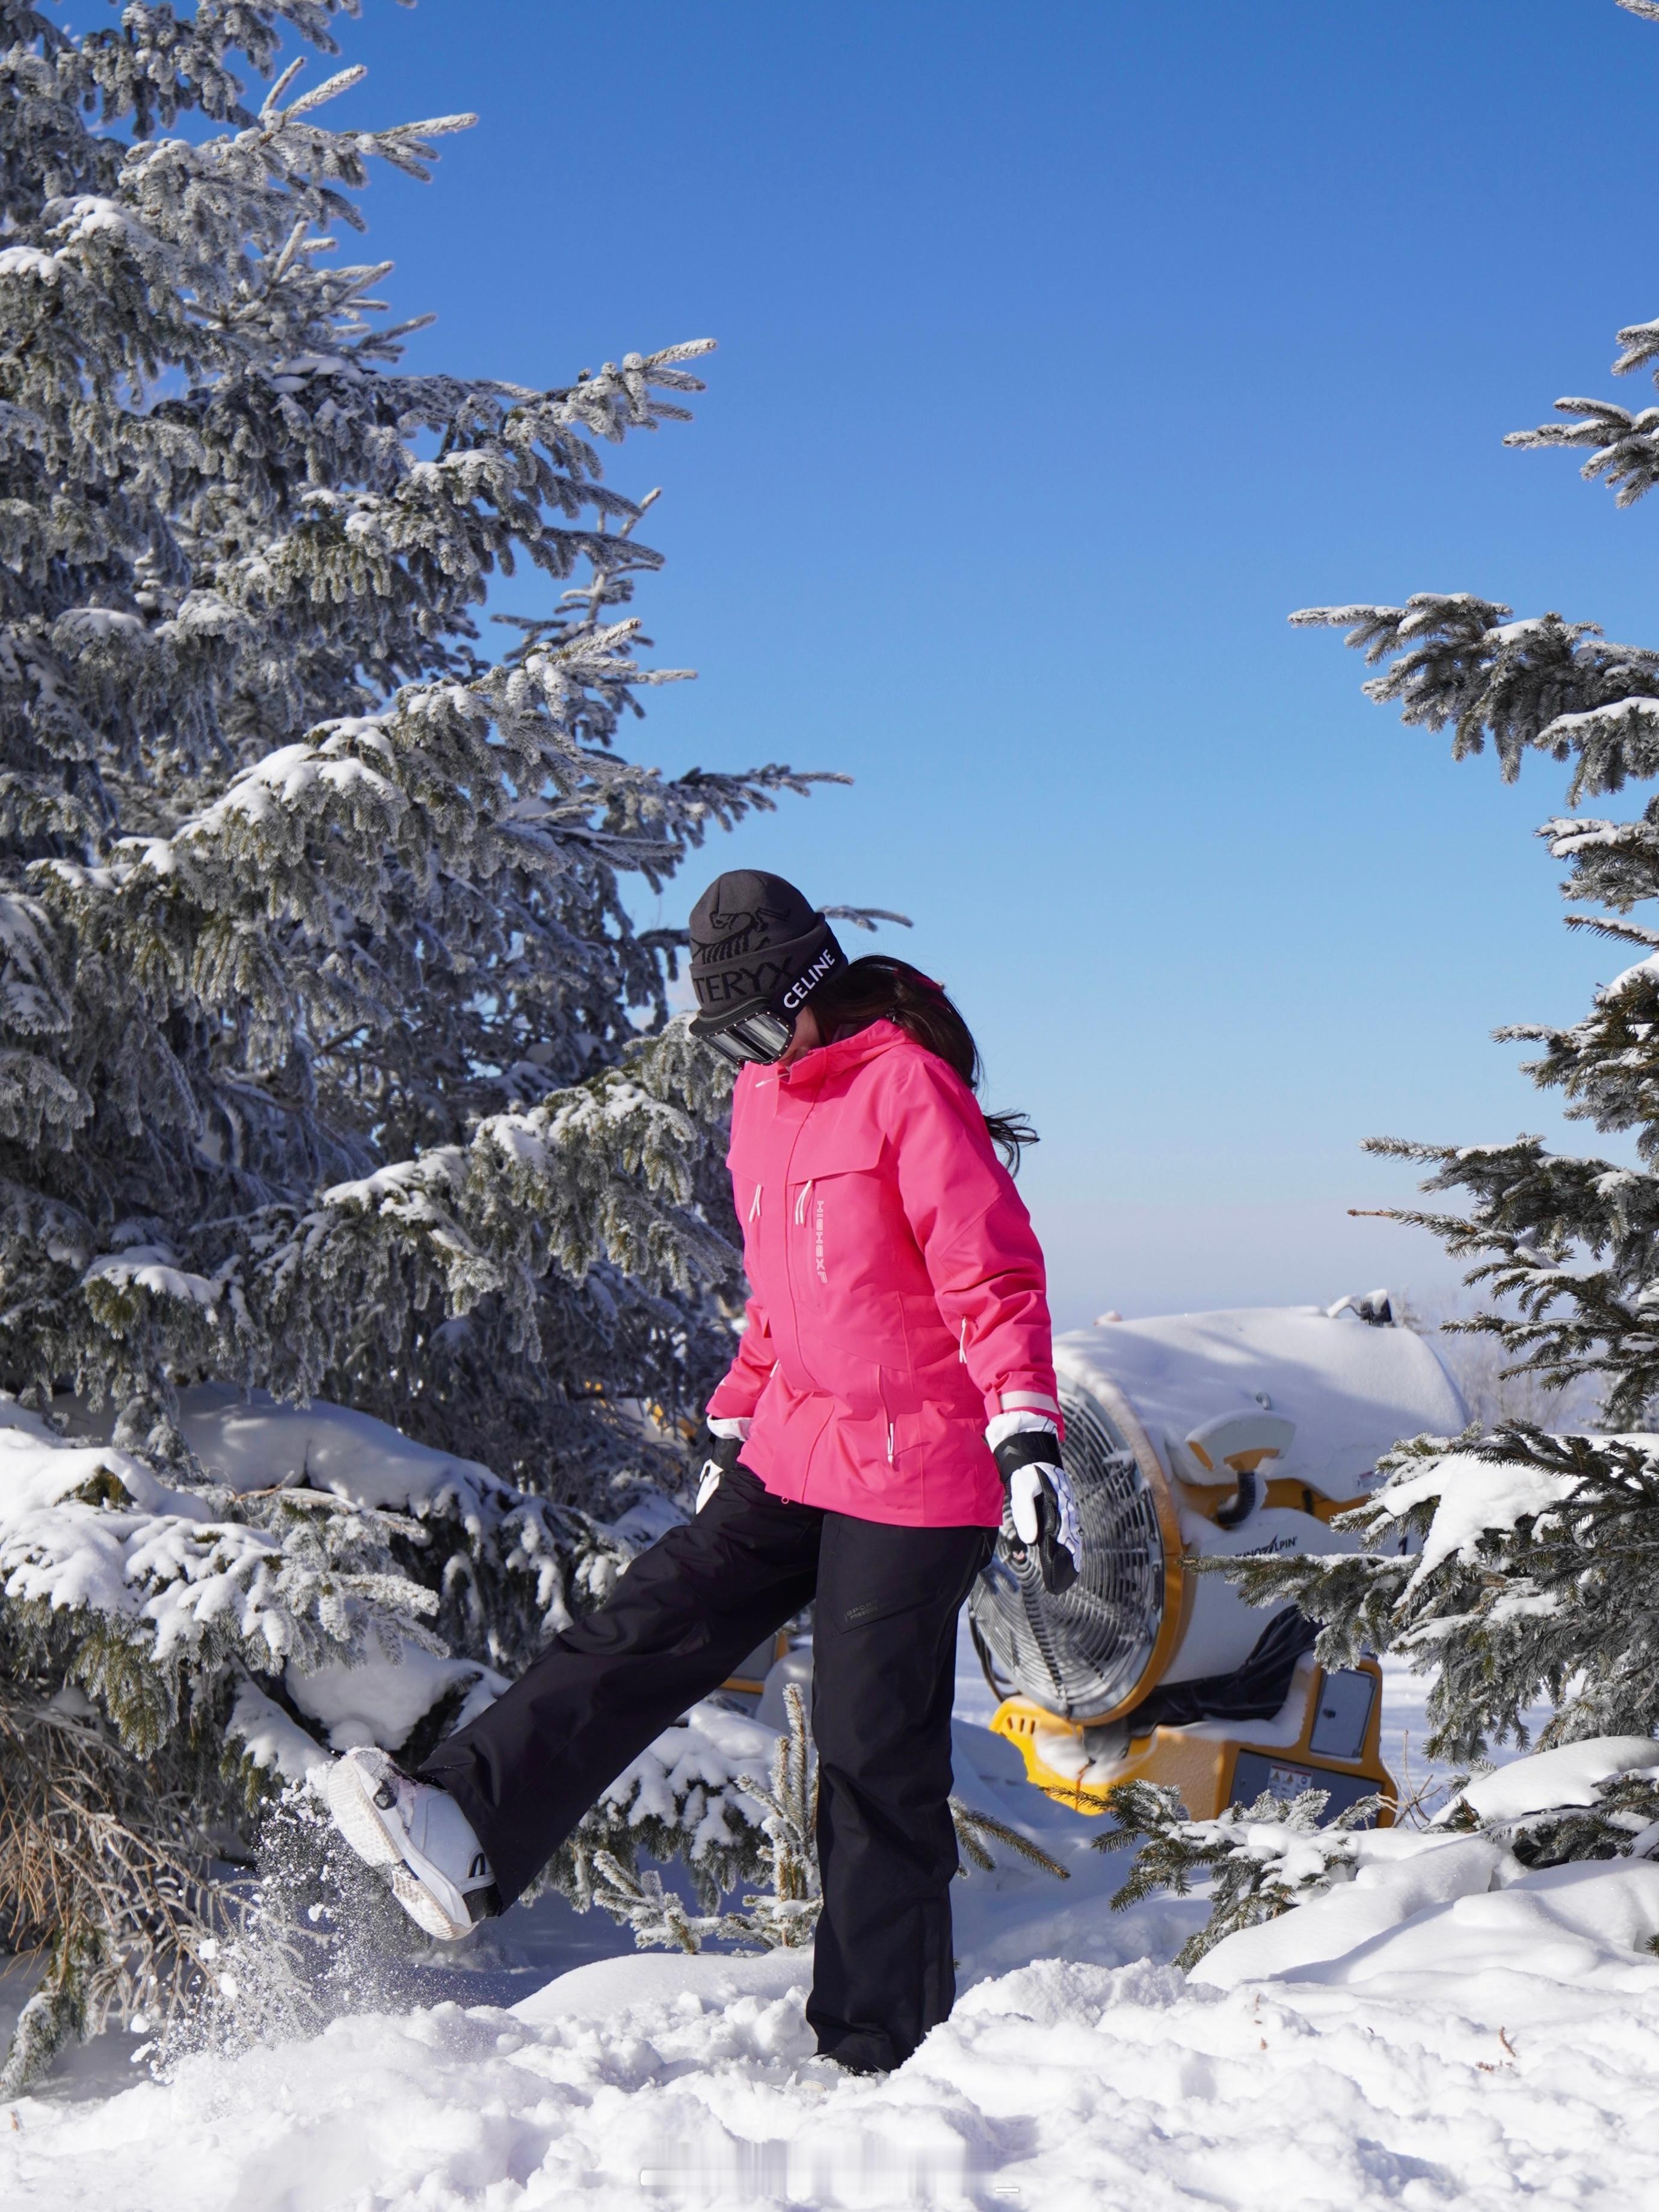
x=1497 y=2048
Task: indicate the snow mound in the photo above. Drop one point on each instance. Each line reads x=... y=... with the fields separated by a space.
x=663 y=2081
x=1442 y=1918
x=608 y=1988
x=1588 y=1925
x=1404 y=1902
x=1388 y=1885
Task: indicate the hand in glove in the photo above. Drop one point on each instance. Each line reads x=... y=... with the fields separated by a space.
x=1041 y=1502
x=727 y=1438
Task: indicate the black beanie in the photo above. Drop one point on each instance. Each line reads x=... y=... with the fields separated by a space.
x=756 y=945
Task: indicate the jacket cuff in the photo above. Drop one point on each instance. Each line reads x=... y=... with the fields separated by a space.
x=1026 y=1397
x=730 y=1425
x=1027 y=1401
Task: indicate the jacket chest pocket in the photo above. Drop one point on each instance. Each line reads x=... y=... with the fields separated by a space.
x=755 y=1205
x=835 y=1226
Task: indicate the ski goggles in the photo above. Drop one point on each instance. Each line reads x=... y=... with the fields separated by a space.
x=758 y=1029
x=758 y=1038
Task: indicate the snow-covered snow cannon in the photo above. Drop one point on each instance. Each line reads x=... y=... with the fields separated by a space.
x=1191 y=1437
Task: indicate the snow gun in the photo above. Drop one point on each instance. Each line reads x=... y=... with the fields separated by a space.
x=1189 y=1438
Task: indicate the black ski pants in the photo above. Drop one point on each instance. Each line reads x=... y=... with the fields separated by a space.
x=883 y=1657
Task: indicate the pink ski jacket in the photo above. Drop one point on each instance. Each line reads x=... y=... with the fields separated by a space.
x=898 y=1293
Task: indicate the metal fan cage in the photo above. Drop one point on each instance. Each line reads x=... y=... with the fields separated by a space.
x=1085 y=1654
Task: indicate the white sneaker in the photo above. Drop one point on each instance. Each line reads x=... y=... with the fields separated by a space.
x=437 y=1869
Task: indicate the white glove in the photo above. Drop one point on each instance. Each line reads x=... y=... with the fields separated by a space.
x=730 y=1431
x=1026 y=1489
x=1041 y=1503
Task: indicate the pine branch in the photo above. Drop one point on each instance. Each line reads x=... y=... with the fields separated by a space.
x=1264 y=1859
x=973 y=1826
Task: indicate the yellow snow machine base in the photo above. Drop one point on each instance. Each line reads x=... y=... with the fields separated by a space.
x=749 y=1679
x=1327 y=1735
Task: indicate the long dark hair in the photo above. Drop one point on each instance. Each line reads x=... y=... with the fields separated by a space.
x=878 y=988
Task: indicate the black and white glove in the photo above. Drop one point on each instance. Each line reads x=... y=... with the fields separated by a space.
x=727 y=1438
x=1041 y=1502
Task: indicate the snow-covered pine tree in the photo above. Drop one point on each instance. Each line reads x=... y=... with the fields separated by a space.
x=330 y=1061
x=1538 y=1572
x=303 y=896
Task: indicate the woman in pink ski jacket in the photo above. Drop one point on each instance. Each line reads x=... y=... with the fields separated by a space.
x=892 y=1405
x=898 y=1303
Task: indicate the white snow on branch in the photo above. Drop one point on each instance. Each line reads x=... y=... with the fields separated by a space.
x=406 y=1184
x=29 y=261
x=382 y=1697
x=691 y=1776
x=1565 y=728
x=271 y=1739
x=1572 y=1774
x=251 y=1442
x=153 y=1268
x=1475 y=1496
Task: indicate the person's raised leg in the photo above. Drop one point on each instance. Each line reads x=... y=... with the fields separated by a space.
x=884 y=1678
x=681 y=1617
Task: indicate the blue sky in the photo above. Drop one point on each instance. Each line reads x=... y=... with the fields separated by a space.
x=1064 y=350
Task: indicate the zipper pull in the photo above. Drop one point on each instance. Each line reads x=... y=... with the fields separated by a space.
x=754 y=1210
